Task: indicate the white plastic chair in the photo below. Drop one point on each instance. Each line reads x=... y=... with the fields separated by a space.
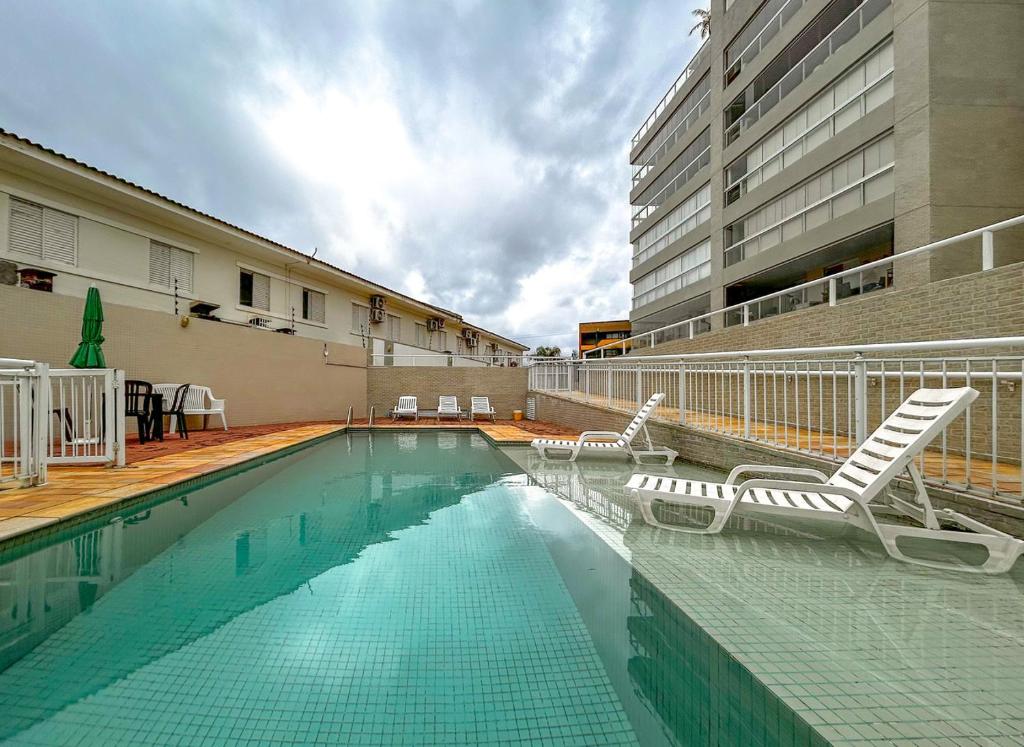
x=406 y=408
x=480 y=406
x=623 y=442
x=844 y=497
x=448 y=407
x=199 y=400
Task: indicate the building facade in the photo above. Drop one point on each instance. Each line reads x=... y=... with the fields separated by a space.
x=65 y=226
x=593 y=335
x=807 y=137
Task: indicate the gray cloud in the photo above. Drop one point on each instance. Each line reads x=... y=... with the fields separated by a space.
x=155 y=93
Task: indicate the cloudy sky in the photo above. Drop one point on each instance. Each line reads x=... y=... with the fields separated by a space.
x=470 y=153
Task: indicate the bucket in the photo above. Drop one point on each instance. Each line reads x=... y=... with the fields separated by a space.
x=517 y=414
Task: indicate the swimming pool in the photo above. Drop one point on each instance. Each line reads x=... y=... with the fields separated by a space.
x=411 y=588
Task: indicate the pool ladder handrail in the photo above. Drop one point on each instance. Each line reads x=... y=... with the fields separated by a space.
x=372 y=408
x=348 y=420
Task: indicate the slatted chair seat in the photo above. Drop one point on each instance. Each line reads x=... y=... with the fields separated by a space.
x=846 y=495
x=609 y=442
x=406 y=408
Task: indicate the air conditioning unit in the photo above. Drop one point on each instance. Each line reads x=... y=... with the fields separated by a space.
x=436 y=324
x=377 y=302
x=376 y=315
x=260 y=322
x=471 y=336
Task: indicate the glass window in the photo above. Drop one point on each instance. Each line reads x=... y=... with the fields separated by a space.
x=313 y=305
x=254 y=290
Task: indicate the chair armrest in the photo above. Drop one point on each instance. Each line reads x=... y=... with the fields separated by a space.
x=810 y=487
x=217 y=404
x=589 y=435
x=802 y=471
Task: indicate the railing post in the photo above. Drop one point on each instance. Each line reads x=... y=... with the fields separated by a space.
x=691 y=330
x=746 y=315
x=746 y=397
x=832 y=287
x=116 y=411
x=586 y=380
x=988 y=251
x=39 y=446
x=860 y=398
x=639 y=387
x=682 y=392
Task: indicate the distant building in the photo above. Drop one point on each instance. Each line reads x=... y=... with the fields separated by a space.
x=595 y=335
x=807 y=137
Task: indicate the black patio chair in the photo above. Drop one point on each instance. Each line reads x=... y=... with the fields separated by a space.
x=137 y=402
x=177 y=409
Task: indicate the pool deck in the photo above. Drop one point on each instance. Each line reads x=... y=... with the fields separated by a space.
x=74 y=491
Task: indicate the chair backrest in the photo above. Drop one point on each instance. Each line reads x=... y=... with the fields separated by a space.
x=901 y=437
x=178 y=400
x=136 y=396
x=406 y=403
x=196 y=397
x=447 y=403
x=641 y=417
x=480 y=404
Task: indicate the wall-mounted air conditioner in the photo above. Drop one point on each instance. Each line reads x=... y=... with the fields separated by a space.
x=260 y=322
x=377 y=302
x=436 y=324
x=376 y=315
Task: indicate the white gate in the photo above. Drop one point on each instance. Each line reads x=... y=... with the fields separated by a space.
x=24 y=402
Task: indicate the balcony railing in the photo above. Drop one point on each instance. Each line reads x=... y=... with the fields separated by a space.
x=825 y=401
x=844 y=32
x=781 y=11
x=822 y=290
x=695 y=64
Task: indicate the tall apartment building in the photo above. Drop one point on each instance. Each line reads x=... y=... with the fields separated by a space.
x=810 y=136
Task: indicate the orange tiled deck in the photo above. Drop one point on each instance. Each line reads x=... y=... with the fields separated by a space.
x=74 y=491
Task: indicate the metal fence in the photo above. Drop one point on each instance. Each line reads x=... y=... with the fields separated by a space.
x=57 y=416
x=826 y=401
x=24 y=394
x=827 y=291
x=454 y=360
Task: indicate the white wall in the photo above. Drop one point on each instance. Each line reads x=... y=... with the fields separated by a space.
x=113 y=254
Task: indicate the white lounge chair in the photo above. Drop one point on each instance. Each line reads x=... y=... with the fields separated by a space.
x=845 y=496
x=406 y=408
x=448 y=407
x=480 y=406
x=623 y=442
x=199 y=400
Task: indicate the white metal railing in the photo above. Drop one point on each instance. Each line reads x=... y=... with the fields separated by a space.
x=824 y=401
x=454 y=360
x=735 y=61
x=822 y=291
x=640 y=170
x=815 y=133
x=23 y=425
x=737 y=251
x=86 y=416
x=822 y=51
x=645 y=209
x=695 y=64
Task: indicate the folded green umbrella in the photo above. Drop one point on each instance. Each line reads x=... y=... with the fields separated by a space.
x=89 y=353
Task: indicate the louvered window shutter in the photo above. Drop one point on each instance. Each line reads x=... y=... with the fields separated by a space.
x=181 y=268
x=316 y=306
x=60 y=236
x=260 y=292
x=159 y=264
x=26 y=228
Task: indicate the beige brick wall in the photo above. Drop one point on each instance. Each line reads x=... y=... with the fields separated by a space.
x=506 y=387
x=724 y=453
x=265 y=377
x=989 y=304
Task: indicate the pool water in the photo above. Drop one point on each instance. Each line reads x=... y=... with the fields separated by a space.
x=411 y=588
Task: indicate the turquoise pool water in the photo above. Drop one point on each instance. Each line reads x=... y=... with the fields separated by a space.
x=399 y=589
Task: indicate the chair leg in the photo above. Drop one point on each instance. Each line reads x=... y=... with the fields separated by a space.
x=223 y=420
x=721 y=509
